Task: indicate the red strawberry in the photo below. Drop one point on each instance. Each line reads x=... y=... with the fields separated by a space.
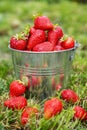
x=18 y=42
x=16 y=102
x=45 y=46
x=32 y=30
x=68 y=43
x=28 y=113
x=17 y=88
x=43 y=22
x=59 y=42
x=69 y=95
x=52 y=107
x=79 y=113
x=55 y=35
x=37 y=37
x=58 y=48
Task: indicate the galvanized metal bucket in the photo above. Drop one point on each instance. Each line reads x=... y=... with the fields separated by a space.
x=45 y=72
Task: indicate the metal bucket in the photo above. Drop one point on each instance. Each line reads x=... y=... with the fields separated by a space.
x=46 y=72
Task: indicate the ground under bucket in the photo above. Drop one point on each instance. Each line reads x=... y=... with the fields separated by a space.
x=45 y=72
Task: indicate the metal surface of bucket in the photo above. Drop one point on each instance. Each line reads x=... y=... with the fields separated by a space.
x=45 y=71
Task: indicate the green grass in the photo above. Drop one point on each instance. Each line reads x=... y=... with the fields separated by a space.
x=14 y=16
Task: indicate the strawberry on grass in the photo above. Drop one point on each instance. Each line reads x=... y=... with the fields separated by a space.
x=80 y=113
x=52 y=107
x=28 y=113
x=17 y=88
x=16 y=103
x=69 y=96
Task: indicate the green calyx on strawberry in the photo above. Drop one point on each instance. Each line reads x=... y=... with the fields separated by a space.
x=68 y=42
x=52 y=107
x=42 y=31
x=19 y=41
x=17 y=88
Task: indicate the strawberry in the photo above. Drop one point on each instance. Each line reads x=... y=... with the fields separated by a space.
x=43 y=22
x=37 y=37
x=69 y=95
x=28 y=113
x=59 y=42
x=32 y=30
x=17 y=88
x=68 y=43
x=58 y=48
x=16 y=102
x=45 y=46
x=55 y=35
x=18 y=42
x=79 y=113
x=52 y=107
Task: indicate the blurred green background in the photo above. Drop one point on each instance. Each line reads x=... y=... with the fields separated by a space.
x=16 y=14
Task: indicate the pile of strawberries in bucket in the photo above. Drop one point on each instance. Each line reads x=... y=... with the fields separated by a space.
x=43 y=36
x=52 y=106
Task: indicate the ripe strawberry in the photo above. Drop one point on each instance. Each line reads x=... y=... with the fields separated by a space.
x=17 y=88
x=43 y=22
x=16 y=102
x=55 y=35
x=28 y=113
x=45 y=46
x=18 y=42
x=37 y=37
x=79 y=113
x=32 y=30
x=68 y=43
x=52 y=107
x=59 y=42
x=58 y=48
x=69 y=95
